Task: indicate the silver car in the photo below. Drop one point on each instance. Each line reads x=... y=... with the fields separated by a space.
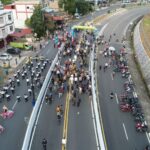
x=5 y=57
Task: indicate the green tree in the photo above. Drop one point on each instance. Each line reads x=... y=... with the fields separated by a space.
x=37 y=22
x=61 y=3
x=28 y=22
x=5 y=2
x=70 y=6
x=83 y=7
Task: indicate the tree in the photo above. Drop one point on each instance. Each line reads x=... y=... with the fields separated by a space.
x=70 y=6
x=83 y=7
x=5 y=2
x=37 y=22
x=28 y=22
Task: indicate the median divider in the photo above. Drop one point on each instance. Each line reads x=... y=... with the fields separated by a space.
x=38 y=105
x=98 y=20
x=97 y=119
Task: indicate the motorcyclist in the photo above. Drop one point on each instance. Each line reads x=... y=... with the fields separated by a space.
x=147 y=147
x=111 y=95
x=5 y=109
x=44 y=143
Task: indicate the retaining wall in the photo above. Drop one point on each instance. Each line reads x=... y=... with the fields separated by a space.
x=143 y=58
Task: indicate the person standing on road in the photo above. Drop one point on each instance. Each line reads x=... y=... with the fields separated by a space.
x=78 y=102
x=44 y=143
x=113 y=74
x=16 y=61
x=100 y=67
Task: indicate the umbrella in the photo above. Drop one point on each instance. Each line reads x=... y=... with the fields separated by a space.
x=112 y=48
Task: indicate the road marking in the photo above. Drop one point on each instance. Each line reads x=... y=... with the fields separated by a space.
x=148 y=137
x=15 y=104
x=65 y=127
x=116 y=98
x=112 y=76
x=125 y=131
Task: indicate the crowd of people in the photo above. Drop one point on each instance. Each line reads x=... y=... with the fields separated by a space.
x=70 y=73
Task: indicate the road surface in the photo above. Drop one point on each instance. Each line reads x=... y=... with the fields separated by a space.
x=119 y=127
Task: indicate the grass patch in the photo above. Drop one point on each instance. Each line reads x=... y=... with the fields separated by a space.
x=146 y=21
x=145 y=33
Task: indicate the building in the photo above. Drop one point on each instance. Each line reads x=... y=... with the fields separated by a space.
x=6 y=23
x=53 y=4
x=22 y=9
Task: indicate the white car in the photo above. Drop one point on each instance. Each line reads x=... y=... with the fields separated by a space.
x=5 y=56
x=77 y=16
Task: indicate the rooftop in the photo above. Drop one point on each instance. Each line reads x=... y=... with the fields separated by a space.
x=4 y=12
x=28 y=1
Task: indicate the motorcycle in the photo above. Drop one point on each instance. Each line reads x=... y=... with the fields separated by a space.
x=125 y=107
x=141 y=127
x=147 y=147
x=8 y=114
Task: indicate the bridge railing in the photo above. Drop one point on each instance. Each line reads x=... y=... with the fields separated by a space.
x=38 y=105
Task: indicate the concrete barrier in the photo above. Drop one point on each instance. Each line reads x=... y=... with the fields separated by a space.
x=97 y=119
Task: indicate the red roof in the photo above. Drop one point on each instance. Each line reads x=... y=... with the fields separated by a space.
x=22 y=33
x=11 y=6
x=58 y=18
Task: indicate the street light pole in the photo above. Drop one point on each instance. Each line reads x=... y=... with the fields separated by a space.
x=96 y=2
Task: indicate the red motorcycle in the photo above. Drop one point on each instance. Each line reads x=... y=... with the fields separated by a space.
x=125 y=108
x=141 y=127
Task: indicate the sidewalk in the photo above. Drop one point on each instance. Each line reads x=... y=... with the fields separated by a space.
x=15 y=65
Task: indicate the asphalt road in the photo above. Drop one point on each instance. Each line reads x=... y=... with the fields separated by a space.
x=119 y=127
x=15 y=128
x=80 y=130
x=80 y=119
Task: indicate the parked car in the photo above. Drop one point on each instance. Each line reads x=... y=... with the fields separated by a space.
x=21 y=45
x=13 y=50
x=5 y=56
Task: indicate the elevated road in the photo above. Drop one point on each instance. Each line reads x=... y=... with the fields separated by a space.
x=80 y=124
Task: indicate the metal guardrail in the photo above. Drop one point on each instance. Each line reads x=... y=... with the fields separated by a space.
x=36 y=110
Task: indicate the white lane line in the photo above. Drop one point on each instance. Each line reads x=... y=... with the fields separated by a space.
x=112 y=76
x=148 y=137
x=125 y=131
x=93 y=118
x=14 y=105
x=116 y=98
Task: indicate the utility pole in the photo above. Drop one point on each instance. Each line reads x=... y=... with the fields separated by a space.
x=96 y=2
